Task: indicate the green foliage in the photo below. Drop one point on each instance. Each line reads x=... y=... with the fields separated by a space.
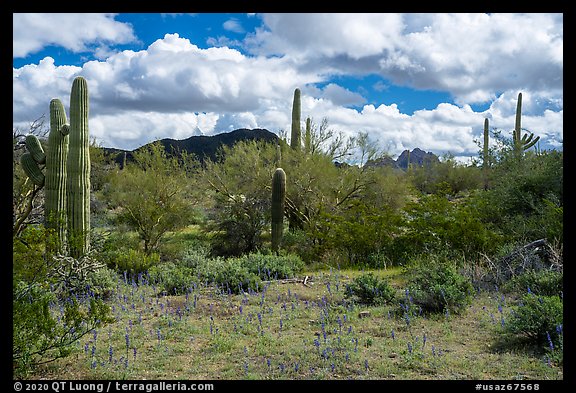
x=436 y=286
x=447 y=176
x=525 y=200
x=40 y=336
x=536 y=317
x=369 y=289
x=270 y=267
x=161 y=202
x=541 y=282
x=132 y=261
x=171 y=278
x=435 y=223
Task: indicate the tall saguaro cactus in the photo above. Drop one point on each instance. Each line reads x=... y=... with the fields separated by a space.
x=295 y=135
x=308 y=136
x=78 y=170
x=278 y=201
x=522 y=142
x=485 y=159
x=55 y=184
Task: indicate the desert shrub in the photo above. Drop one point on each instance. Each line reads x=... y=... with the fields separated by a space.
x=171 y=278
x=541 y=282
x=40 y=334
x=132 y=261
x=269 y=267
x=437 y=286
x=369 y=289
x=538 y=318
x=233 y=277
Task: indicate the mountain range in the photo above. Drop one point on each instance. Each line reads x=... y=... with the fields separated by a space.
x=207 y=147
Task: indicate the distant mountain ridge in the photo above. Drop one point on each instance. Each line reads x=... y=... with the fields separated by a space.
x=206 y=147
x=202 y=146
x=417 y=157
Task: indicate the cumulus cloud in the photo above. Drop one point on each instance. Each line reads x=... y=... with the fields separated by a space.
x=472 y=56
x=234 y=26
x=174 y=89
x=75 y=32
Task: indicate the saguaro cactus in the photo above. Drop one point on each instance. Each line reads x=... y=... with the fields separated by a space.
x=278 y=201
x=78 y=170
x=522 y=142
x=55 y=185
x=308 y=136
x=485 y=159
x=295 y=135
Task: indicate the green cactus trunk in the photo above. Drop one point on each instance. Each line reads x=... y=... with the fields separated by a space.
x=485 y=159
x=78 y=171
x=295 y=136
x=526 y=141
x=278 y=201
x=55 y=185
x=308 y=136
x=278 y=155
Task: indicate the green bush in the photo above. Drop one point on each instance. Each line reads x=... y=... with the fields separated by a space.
x=437 y=286
x=542 y=282
x=132 y=261
x=537 y=318
x=369 y=289
x=270 y=267
x=40 y=335
x=171 y=278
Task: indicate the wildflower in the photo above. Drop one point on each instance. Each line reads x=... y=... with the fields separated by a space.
x=296 y=366
x=392 y=334
x=268 y=362
x=424 y=341
x=550 y=343
x=366 y=364
x=409 y=348
x=110 y=353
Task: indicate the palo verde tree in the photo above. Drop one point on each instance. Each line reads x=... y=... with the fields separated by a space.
x=151 y=194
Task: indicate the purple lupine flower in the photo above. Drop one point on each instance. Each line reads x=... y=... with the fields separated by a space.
x=296 y=366
x=280 y=324
x=433 y=350
x=332 y=367
x=550 y=343
x=409 y=348
x=134 y=351
x=127 y=337
x=366 y=364
x=268 y=362
x=392 y=334
x=559 y=329
x=424 y=341
x=347 y=356
x=110 y=354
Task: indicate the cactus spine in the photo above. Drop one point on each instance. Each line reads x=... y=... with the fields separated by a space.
x=78 y=170
x=521 y=142
x=295 y=135
x=55 y=185
x=278 y=201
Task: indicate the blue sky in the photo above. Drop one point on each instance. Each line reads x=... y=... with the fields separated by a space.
x=408 y=80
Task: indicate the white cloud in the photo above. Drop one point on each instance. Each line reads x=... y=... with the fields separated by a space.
x=174 y=89
x=472 y=56
x=234 y=26
x=74 y=32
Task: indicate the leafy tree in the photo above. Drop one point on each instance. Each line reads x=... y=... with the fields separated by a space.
x=152 y=195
